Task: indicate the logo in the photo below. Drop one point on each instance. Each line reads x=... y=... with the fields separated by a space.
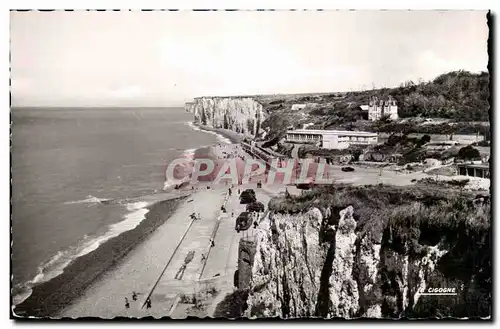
x=238 y=171
x=439 y=292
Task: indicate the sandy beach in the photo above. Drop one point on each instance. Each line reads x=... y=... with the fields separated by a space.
x=180 y=257
x=177 y=259
x=50 y=297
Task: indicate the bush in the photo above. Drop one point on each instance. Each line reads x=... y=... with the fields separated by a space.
x=425 y=139
x=255 y=207
x=407 y=221
x=233 y=305
x=248 y=196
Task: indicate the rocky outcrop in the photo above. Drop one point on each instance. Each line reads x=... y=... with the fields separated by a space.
x=246 y=254
x=297 y=274
x=189 y=107
x=288 y=265
x=343 y=290
x=240 y=114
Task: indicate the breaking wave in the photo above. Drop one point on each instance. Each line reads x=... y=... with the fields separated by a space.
x=89 y=199
x=219 y=137
x=56 y=264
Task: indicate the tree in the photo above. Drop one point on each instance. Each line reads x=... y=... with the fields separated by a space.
x=468 y=153
x=385 y=118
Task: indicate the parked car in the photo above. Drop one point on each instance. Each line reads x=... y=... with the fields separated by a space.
x=347 y=169
x=255 y=207
x=248 y=196
x=243 y=222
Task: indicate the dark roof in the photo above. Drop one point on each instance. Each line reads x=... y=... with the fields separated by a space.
x=471 y=165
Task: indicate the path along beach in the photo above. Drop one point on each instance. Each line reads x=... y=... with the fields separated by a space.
x=170 y=255
x=160 y=269
x=97 y=284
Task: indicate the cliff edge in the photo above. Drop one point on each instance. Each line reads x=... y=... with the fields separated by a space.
x=241 y=114
x=374 y=252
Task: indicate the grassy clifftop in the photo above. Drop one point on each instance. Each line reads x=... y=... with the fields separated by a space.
x=411 y=225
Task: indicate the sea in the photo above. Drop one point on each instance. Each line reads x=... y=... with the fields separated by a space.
x=78 y=175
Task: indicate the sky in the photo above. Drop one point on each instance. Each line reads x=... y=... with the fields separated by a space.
x=168 y=58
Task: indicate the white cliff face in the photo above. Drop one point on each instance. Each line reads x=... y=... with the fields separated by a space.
x=304 y=267
x=240 y=114
x=404 y=283
x=369 y=259
x=426 y=266
x=189 y=107
x=343 y=288
x=287 y=266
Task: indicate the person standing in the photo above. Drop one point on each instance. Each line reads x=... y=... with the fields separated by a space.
x=127 y=304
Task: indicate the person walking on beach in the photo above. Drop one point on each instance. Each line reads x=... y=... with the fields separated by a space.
x=134 y=296
x=181 y=271
x=127 y=304
x=148 y=303
x=213 y=243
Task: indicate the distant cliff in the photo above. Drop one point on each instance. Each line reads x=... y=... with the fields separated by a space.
x=240 y=114
x=371 y=252
x=459 y=96
x=189 y=107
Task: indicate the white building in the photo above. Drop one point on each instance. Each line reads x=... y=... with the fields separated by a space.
x=379 y=108
x=331 y=139
x=296 y=107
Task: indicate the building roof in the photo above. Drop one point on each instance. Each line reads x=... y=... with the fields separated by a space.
x=332 y=132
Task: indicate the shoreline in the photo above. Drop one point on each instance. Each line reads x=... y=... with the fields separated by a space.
x=232 y=136
x=50 y=297
x=53 y=296
x=155 y=261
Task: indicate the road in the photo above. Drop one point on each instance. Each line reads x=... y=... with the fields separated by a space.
x=220 y=261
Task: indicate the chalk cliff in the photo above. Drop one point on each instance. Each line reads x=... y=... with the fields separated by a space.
x=240 y=114
x=189 y=107
x=327 y=262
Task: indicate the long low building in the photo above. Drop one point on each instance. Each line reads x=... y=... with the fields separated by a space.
x=331 y=139
x=475 y=170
